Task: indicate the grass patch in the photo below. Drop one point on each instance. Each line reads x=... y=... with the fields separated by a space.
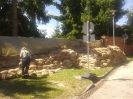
x=61 y=85
x=130 y=58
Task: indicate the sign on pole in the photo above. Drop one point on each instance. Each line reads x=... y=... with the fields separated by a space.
x=85 y=28
x=125 y=36
x=92 y=38
x=88 y=27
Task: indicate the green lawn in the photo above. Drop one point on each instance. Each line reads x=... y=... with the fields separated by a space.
x=61 y=85
x=130 y=58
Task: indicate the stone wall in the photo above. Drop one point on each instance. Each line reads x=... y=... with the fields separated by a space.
x=58 y=58
x=107 y=56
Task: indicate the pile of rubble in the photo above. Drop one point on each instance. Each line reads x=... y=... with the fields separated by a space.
x=109 y=56
x=51 y=62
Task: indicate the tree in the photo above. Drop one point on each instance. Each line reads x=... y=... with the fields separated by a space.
x=43 y=32
x=98 y=12
x=130 y=17
x=76 y=12
x=57 y=32
x=129 y=27
x=28 y=11
x=70 y=18
x=14 y=18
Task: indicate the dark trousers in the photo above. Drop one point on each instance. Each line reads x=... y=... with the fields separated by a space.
x=25 y=66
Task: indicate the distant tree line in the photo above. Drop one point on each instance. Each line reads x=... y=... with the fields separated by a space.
x=74 y=13
x=20 y=17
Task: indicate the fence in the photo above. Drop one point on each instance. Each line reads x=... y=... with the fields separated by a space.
x=119 y=41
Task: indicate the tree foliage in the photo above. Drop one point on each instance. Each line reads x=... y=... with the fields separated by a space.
x=57 y=32
x=130 y=17
x=43 y=33
x=75 y=12
x=70 y=18
x=128 y=28
x=29 y=12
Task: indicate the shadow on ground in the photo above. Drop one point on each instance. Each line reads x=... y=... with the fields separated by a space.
x=28 y=87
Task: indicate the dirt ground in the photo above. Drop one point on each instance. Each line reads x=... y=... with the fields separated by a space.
x=117 y=85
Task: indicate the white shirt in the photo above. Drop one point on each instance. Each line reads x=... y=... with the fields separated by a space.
x=23 y=53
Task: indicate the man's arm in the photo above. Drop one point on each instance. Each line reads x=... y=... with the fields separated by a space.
x=21 y=53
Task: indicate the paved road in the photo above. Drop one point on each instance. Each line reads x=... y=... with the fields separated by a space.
x=118 y=85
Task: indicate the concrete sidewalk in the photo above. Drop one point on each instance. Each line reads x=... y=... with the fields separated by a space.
x=117 y=85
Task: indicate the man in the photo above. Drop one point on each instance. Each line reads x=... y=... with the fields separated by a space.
x=25 y=55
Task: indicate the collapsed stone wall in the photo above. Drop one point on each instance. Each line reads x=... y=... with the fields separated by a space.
x=107 y=56
x=50 y=62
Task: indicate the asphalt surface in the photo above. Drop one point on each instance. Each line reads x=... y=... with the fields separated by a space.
x=117 y=85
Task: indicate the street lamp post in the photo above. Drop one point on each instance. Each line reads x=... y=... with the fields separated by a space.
x=113 y=14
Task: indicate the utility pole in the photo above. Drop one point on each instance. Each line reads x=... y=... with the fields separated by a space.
x=113 y=14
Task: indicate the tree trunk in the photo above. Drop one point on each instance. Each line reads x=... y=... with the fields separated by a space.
x=14 y=18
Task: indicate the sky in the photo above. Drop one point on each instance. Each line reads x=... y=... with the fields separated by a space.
x=127 y=5
x=49 y=27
